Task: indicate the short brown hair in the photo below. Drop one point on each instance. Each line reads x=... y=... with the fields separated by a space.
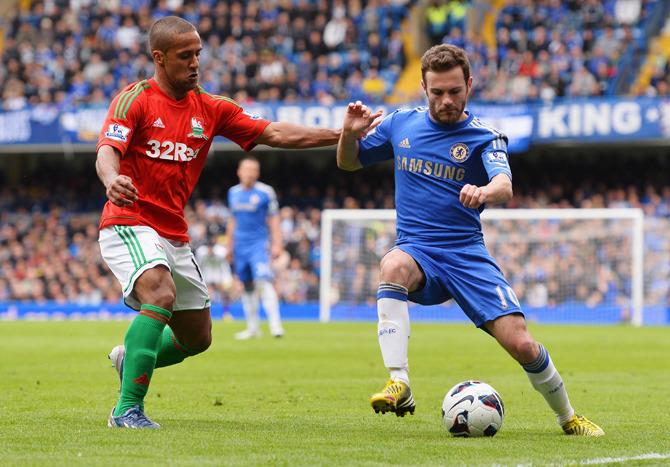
x=162 y=32
x=445 y=57
x=249 y=157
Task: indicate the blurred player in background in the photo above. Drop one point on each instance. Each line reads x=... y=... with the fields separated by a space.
x=448 y=166
x=255 y=221
x=217 y=273
x=150 y=153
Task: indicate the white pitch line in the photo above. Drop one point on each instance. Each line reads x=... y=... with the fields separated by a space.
x=612 y=460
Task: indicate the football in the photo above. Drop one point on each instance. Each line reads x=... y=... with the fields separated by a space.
x=472 y=409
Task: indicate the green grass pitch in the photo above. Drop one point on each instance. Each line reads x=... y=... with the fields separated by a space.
x=302 y=400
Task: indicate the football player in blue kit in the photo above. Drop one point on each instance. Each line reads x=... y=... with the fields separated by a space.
x=449 y=165
x=254 y=237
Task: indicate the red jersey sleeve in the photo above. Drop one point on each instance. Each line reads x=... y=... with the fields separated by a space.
x=123 y=117
x=237 y=125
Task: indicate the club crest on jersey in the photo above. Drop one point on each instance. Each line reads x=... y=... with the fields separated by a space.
x=197 y=129
x=254 y=199
x=117 y=132
x=459 y=152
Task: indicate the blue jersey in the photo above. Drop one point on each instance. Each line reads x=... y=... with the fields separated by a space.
x=433 y=162
x=251 y=208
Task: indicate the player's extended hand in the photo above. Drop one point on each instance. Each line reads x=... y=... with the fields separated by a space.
x=276 y=251
x=121 y=191
x=359 y=119
x=473 y=196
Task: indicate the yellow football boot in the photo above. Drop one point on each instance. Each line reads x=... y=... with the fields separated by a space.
x=395 y=397
x=582 y=426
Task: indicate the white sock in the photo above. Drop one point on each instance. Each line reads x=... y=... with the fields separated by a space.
x=271 y=306
x=393 y=329
x=546 y=380
x=250 y=307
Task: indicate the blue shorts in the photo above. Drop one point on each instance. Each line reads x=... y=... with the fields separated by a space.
x=469 y=275
x=252 y=262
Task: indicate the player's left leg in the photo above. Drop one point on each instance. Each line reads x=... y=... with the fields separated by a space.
x=190 y=333
x=250 y=302
x=512 y=334
x=479 y=287
x=249 y=298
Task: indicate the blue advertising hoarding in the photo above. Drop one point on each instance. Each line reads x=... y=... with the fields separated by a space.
x=595 y=120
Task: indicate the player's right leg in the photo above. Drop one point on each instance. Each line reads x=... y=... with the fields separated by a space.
x=250 y=300
x=143 y=271
x=155 y=290
x=250 y=303
x=399 y=273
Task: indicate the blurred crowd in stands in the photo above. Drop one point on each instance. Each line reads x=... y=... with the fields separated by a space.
x=68 y=52
x=62 y=53
x=49 y=250
x=548 y=48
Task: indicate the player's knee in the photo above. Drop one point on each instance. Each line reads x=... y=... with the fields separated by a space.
x=203 y=343
x=525 y=350
x=163 y=298
x=200 y=342
x=395 y=269
x=156 y=287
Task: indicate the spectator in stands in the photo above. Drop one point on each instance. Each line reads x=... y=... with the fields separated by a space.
x=437 y=16
x=61 y=36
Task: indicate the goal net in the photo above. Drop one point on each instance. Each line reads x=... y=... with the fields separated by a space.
x=565 y=265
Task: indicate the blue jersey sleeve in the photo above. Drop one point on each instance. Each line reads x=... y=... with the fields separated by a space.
x=273 y=204
x=376 y=146
x=495 y=159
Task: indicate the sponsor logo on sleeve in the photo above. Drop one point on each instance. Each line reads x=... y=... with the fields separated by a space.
x=251 y=116
x=497 y=157
x=117 y=132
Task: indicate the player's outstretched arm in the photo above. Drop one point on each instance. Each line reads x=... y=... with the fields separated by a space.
x=498 y=190
x=119 y=188
x=276 y=242
x=358 y=121
x=230 y=238
x=291 y=136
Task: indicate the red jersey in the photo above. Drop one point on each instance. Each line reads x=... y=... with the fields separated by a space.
x=163 y=144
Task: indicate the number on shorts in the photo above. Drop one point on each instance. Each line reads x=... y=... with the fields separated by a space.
x=510 y=294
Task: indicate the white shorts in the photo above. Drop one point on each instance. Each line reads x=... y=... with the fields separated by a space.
x=131 y=250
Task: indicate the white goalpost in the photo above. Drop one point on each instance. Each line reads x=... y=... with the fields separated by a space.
x=565 y=265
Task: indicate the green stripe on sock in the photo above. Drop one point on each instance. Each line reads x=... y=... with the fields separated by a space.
x=157 y=309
